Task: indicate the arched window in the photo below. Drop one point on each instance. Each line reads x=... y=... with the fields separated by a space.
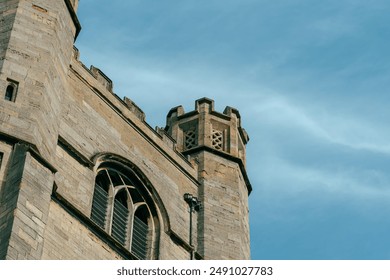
x=123 y=208
x=10 y=92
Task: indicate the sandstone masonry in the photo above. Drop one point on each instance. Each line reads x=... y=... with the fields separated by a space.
x=83 y=176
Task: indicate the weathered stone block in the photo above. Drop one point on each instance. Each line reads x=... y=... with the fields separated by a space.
x=66 y=129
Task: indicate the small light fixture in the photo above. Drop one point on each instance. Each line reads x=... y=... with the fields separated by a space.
x=193 y=202
x=195 y=205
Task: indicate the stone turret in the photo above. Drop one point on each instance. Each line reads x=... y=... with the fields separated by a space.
x=206 y=128
x=82 y=175
x=216 y=142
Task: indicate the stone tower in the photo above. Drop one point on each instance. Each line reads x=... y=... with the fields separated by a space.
x=84 y=176
x=36 y=45
x=216 y=142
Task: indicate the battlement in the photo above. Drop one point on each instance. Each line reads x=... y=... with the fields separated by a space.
x=206 y=127
x=98 y=74
x=102 y=78
x=80 y=156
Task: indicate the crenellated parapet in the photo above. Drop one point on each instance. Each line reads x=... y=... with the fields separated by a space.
x=84 y=176
x=205 y=127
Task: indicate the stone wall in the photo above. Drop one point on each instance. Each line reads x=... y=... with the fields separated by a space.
x=66 y=120
x=38 y=51
x=66 y=238
x=95 y=121
x=224 y=229
x=25 y=206
x=7 y=16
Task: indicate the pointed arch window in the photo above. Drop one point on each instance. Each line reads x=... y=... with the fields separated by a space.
x=122 y=207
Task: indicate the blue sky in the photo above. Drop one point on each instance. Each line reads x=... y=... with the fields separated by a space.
x=311 y=81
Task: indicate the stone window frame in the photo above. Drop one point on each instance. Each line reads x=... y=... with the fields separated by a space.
x=188 y=135
x=190 y=139
x=218 y=139
x=124 y=210
x=11 y=90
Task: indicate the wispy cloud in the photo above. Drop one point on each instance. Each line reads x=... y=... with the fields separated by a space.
x=340 y=181
x=310 y=81
x=349 y=130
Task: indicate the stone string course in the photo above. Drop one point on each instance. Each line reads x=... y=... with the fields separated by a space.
x=66 y=120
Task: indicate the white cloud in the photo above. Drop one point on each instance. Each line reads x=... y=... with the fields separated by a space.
x=347 y=130
x=343 y=181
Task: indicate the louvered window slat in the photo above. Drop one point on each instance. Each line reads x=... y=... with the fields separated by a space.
x=99 y=206
x=139 y=242
x=122 y=212
x=119 y=222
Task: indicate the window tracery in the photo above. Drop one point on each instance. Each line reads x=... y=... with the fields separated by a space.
x=190 y=139
x=121 y=208
x=217 y=139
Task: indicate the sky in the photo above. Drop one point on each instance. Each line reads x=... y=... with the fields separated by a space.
x=311 y=82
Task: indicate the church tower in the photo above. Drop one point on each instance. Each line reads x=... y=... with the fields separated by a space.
x=36 y=45
x=35 y=52
x=216 y=143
